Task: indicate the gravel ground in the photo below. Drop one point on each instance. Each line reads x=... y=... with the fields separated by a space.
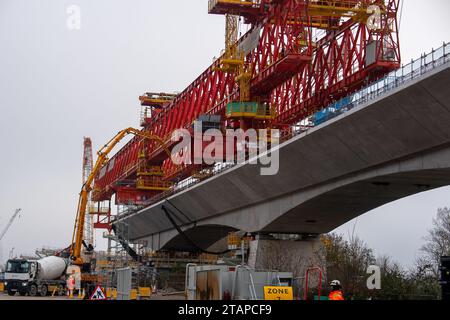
x=5 y=297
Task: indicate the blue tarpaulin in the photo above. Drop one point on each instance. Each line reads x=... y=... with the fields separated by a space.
x=331 y=111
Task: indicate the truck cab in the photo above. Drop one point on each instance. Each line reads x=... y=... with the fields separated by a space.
x=36 y=277
x=18 y=274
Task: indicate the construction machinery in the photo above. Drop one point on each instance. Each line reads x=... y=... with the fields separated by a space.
x=221 y=282
x=10 y=222
x=78 y=238
x=36 y=277
x=5 y=230
x=296 y=58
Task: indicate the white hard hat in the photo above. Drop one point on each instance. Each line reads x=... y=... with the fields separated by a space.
x=335 y=283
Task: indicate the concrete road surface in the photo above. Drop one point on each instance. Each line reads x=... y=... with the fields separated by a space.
x=5 y=297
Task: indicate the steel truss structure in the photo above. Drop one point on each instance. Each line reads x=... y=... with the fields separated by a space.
x=297 y=57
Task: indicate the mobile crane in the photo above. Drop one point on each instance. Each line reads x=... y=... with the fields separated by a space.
x=10 y=222
x=8 y=225
x=77 y=238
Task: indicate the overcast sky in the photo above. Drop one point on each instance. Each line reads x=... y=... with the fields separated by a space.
x=57 y=86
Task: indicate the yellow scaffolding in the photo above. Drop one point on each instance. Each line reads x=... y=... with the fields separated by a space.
x=151 y=99
x=150 y=178
x=238 y=4
x=354 y=9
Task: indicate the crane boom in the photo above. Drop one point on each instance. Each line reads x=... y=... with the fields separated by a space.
x=10 y=222
x=78 y=233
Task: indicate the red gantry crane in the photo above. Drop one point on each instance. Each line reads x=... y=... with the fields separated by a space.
x=297 y=57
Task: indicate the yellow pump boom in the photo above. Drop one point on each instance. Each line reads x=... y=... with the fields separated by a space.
x=77 y=237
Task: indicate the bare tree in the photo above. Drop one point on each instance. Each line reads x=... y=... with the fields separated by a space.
x=437 y=241
x=347 y=261
x=424 y=279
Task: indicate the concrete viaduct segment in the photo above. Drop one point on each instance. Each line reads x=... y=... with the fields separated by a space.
x=389 y=148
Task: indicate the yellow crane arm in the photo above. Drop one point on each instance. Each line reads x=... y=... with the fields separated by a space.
x=77 y=237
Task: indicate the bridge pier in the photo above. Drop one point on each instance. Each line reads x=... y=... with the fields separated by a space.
x=286 y=253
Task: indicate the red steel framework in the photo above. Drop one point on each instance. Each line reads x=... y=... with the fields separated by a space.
x=291 y=69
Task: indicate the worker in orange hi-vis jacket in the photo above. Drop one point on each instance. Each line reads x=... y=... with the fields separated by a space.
x=336 y=292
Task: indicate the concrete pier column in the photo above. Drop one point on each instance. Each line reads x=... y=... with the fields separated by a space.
x=286 y=255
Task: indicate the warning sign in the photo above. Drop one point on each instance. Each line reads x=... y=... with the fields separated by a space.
x=98 y=294
x=278 y=293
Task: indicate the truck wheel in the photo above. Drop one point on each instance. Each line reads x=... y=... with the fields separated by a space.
x=11 y=293
x=33 y=291
x=44 y=291
x=23 y=293
x=60 y=291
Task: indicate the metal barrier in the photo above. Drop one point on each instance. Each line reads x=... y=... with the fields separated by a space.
x=407 y=73
x=144 y=292
x=133 y=294
x=124 y=284
x=111 y=293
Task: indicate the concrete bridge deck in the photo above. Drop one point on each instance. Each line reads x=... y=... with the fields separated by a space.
x=391 y=147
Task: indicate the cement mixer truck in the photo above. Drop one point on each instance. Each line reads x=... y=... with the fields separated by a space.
x=36 y=277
